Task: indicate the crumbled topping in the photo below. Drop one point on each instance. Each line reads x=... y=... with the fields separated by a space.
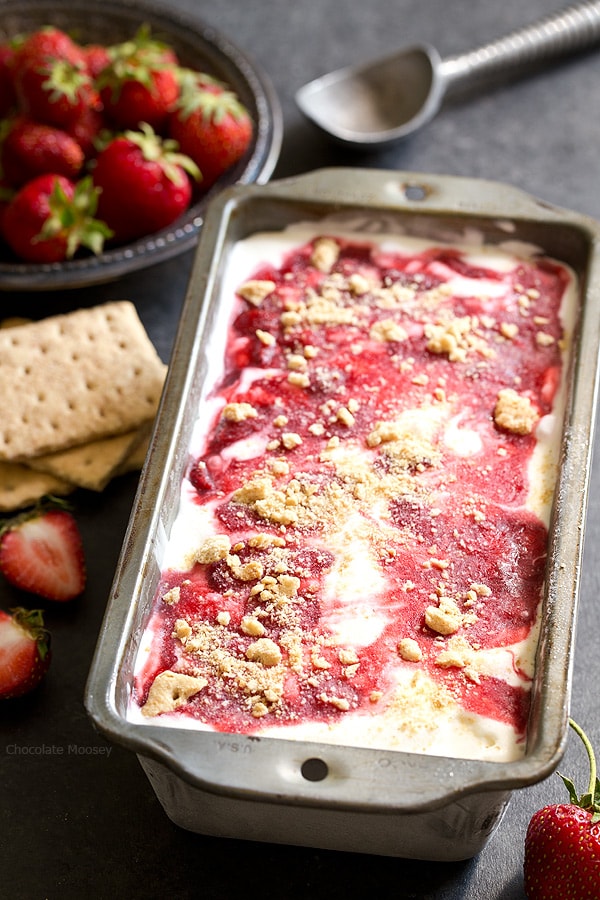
x=543 y=339
x=456 y=338
x=263 y=541
x=300 y=379
x=339 y=702
x=325 y=254
x=248 y=571
x=290 y=440
x=345 y=417
x=213 y=549
x=252 y=626
x=318 y=661
x=409 y=650
x=459 y=654
x=388 y=330
x=265 y=651
x=296 y=362
x=348 y=656
x=265 y=337
x=358 y=284
x=238 y=412
x=515 y=412
x=255 y=291
x=172 y=596
x=509 y=330
x=446 y=617
x=169 y=691
x=279 y=466
x=404 y=445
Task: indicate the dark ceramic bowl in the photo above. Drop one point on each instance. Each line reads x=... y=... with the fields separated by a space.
x=198 y=46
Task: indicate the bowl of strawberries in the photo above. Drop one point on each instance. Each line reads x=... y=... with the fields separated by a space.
x=118 y=124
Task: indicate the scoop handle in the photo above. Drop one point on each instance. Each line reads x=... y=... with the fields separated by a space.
x=574 y=28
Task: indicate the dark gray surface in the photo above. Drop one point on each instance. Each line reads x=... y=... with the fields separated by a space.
x=77 y=817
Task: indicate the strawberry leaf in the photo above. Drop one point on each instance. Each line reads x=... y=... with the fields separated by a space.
x=573 y=796
x=590 y=800
x=134 y=60
x=213 y=106
x=65 y=80
x=76 y=218
x=32 y=621
x=163 y=151
x=190 y=82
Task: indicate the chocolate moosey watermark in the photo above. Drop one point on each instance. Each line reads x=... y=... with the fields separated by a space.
x=58 y=750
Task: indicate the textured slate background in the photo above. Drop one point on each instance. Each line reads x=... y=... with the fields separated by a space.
x=75 y=821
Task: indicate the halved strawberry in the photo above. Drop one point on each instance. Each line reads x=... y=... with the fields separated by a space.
x=41 y=551
x=24 y=651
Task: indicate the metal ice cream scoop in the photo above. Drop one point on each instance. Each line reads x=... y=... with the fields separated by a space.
x=377 y=103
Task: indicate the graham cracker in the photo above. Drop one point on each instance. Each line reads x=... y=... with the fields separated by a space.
x=75 y=378
x=136 y=459
x=90 y=465
x=21 y=486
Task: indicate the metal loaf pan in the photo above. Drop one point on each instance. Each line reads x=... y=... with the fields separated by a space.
x=389 y=803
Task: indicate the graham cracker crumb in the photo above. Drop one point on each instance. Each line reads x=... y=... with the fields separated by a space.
x=169 y=691
x=514 y=412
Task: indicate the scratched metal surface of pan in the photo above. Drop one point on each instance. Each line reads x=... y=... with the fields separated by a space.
x=389 y=802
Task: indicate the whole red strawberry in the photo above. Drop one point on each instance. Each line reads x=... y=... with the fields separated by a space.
x=24 y=651
x=97 y=57
x=562 y=845
x=88 y=130
x=8 y=97
x=51 y=78
x=143 y=183
x=6 y=195
x=46 y=43
x=50 y=217
x=31 y=148
x=41 y=552
x=212 y=127
x=140 y=83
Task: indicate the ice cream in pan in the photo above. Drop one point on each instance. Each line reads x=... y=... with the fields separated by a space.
x=360 y=550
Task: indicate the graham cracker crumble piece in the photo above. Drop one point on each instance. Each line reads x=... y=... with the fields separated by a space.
x=514 y=412
x=238 y=412
x=409 y=650
x=446 y=618
x=325 y=254
x=255 y=290
x=169 y=691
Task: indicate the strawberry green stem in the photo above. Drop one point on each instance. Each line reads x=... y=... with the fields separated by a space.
x=590 y=753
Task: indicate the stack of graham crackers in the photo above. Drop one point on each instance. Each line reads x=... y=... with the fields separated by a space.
x=79 y=393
